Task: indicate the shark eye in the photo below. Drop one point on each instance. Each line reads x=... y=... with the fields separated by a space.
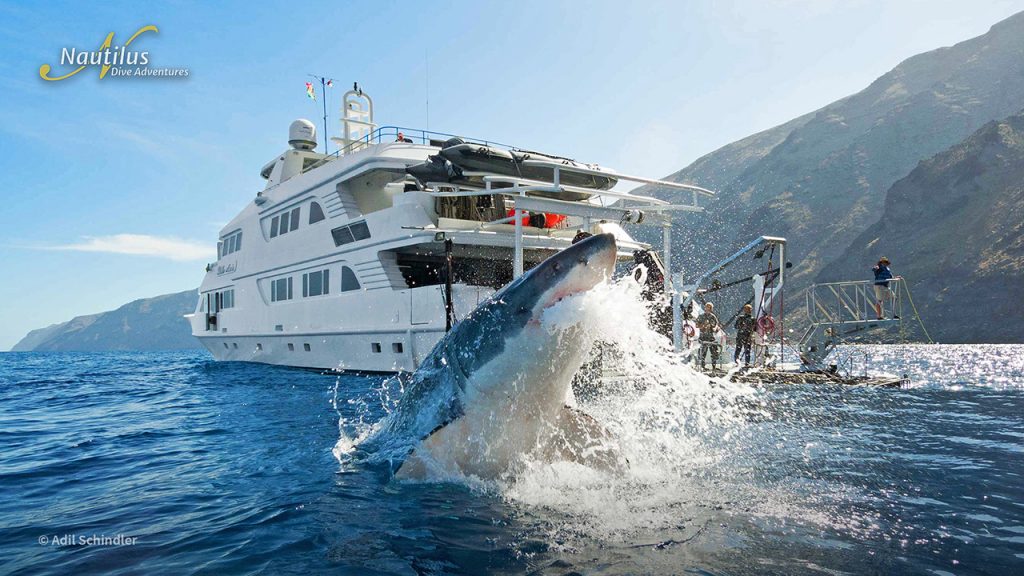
x=584 y=260
x=557 y=266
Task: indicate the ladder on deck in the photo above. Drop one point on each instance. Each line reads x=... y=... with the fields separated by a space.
x=839 y=310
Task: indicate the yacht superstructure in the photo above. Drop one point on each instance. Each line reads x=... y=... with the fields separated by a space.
x=361 y=259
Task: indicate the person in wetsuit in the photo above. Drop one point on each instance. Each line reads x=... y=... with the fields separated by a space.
x=708 y=323
x=744 y=334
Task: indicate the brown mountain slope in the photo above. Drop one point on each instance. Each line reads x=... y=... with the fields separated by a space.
x=824 y=182
x=955 y=228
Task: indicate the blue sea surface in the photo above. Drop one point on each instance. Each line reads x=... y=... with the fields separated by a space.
x=189 y=466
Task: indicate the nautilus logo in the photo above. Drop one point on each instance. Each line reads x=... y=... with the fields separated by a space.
x=111 y=58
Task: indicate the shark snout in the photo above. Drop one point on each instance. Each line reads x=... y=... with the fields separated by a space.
x=581 y=266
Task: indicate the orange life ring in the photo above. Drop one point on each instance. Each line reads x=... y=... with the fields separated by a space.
x=766 y=324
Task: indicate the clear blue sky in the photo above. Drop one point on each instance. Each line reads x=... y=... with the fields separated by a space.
x=643 y=87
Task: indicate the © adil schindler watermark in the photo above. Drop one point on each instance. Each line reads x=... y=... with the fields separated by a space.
x=61 y=540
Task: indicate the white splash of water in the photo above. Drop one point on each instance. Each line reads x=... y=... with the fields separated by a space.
x=686 y=436
x=694 y=446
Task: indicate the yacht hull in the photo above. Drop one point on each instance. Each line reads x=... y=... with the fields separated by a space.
x=379 y=351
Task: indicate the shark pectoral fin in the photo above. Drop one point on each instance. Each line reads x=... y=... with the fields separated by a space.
x=580 y=438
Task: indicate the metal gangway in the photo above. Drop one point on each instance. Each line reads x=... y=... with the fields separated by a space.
x=837 y=311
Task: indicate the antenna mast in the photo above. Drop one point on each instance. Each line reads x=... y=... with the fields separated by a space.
x=324 y=83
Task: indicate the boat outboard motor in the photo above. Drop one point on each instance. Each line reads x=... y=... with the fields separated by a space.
x=435 y=169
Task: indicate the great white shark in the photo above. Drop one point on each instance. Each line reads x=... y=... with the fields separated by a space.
x=496 y=387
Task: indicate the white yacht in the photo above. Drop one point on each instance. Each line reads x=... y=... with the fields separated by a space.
x=361 y=259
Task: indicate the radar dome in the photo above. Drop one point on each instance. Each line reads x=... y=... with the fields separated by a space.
x=302 y=135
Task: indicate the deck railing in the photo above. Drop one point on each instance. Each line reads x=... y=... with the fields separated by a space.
x=852 y=302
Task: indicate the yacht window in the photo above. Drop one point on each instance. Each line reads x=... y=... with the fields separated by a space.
x=306 y=347
x=308 y=163
x=349 y=281
x=289 y=222
x=316 y=283
x=316 y=213
x=229 y=244
x=281 y=289
x=225 y=299
x=351 y=233
x=360 y=231
x=342 y=236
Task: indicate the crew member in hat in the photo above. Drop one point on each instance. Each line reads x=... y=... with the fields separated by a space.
x=882 y=291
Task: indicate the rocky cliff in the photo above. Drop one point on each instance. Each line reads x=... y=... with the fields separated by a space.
x=820 y=180
x=955 y=227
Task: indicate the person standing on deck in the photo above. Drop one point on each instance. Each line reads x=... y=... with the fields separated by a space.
x=882 y=292
x=744 y=334
x=707 y=323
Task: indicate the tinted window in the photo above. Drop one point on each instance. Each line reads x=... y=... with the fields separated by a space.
x=295 y=219
x=273 y=227
x=281 y=289
x=342 y=235
x=360 y=231
x=316 y=283
x=348 y=279
x=350 y=233
x=316 y=213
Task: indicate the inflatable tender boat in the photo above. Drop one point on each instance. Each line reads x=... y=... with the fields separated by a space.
x=458 y=158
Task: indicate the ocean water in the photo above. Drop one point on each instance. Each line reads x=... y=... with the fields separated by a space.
x=189 y=466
